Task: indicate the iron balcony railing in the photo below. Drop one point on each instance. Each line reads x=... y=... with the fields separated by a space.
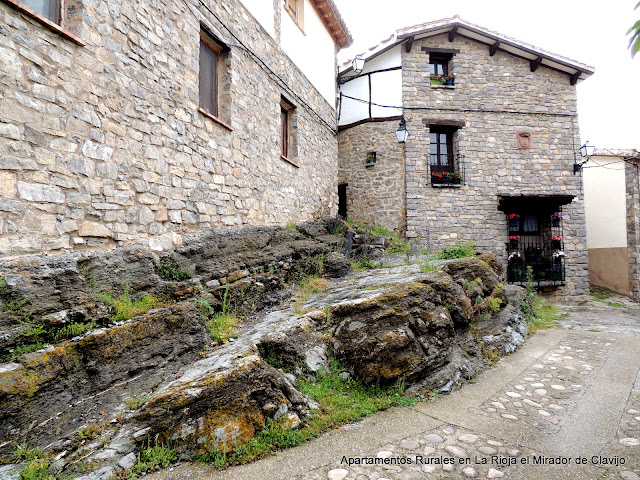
x=546 y=261
x=447 y=175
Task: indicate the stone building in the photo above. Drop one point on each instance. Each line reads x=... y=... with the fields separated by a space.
x=612 y=205
x=489 y=155
x=125 y=121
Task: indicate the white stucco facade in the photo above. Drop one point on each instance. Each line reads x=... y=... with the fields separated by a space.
x=386 y=89
x=605 y=202
x=311 y=48
x=262 y=11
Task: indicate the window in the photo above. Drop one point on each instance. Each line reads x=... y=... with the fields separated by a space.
x=535 y=242
x=447 y=168
x=284 y=131
x=210 y=62
x=288 y=132
x=294 y=8
x=441 y=149
x=47 y=8
x=439 y=63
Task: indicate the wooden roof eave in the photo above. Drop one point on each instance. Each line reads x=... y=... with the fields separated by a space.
x=333 y=22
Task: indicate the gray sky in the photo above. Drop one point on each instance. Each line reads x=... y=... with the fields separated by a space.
x=590 y=32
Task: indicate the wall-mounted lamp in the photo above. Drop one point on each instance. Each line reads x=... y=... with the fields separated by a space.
x=357 y=65
x=586 y=151
x=402 y=132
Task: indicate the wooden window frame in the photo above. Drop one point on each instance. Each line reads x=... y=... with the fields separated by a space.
x=438 y=167
x=57 y=27
x=208 y=41
x=288 y=150
x=284 y=131
x=55 y=10
x=295 y=9
x=442 y=59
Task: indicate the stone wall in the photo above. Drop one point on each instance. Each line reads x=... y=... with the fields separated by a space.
x=375 y=193
x=632 y=179
x=493 y=98
x=101 y=142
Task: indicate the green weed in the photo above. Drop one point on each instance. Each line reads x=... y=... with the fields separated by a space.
x=615 y=304
x=15 y=308
x=24 y=452
x=37 y=469
x=73 y=330
x=291 y=226
x=546 y=315
x=222 y=326
x=154 y=458
x=428 y=266
x=363 y=264
x=168 y=269
x=92 y=430
x=459 y=251
x=599 y=293
x=126 y=307
x=4 y=288
x=308 y=286
x=134 y=403
x=341 y=401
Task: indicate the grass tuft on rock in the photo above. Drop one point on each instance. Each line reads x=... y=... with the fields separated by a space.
x=169 y=270
x=461 y=250
x=154 y=458
x=125 y=307
x=341 y=401
x=222 y=326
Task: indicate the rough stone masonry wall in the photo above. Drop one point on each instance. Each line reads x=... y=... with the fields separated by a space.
x=492 y=162
x=102 y=144
x=632 y=187
x=375 y=194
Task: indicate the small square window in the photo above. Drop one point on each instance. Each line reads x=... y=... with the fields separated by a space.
x=371 y=159
x=439 y=64
x=49 y=9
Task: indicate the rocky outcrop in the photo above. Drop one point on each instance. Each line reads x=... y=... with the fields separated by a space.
x=51 y=393
x=429 y=330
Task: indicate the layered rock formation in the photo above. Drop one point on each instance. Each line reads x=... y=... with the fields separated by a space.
x=428 y=330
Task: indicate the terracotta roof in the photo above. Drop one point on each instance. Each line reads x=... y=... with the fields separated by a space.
x=332 y=19
x=495 y=40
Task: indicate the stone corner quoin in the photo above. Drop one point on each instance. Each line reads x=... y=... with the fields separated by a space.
x=102 y=143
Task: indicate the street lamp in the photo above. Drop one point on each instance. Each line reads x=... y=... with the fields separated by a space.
x=402 y=132
x=587 y=152
x=358 y=64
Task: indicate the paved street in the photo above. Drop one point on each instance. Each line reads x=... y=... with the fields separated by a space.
x=564 y=406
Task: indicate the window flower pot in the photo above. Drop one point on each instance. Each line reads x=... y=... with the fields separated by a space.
x=513 y=244
x=556 y=244
x=449 y=82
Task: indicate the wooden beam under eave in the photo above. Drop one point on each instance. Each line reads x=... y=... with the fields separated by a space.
x=574 y=78
x=535 y=64
x=452 y=33
x=409 y=44
x=494 y=48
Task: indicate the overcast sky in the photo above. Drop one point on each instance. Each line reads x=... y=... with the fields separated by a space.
x=590 y=32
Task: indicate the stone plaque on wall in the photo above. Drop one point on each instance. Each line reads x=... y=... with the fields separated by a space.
x=524 y=140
